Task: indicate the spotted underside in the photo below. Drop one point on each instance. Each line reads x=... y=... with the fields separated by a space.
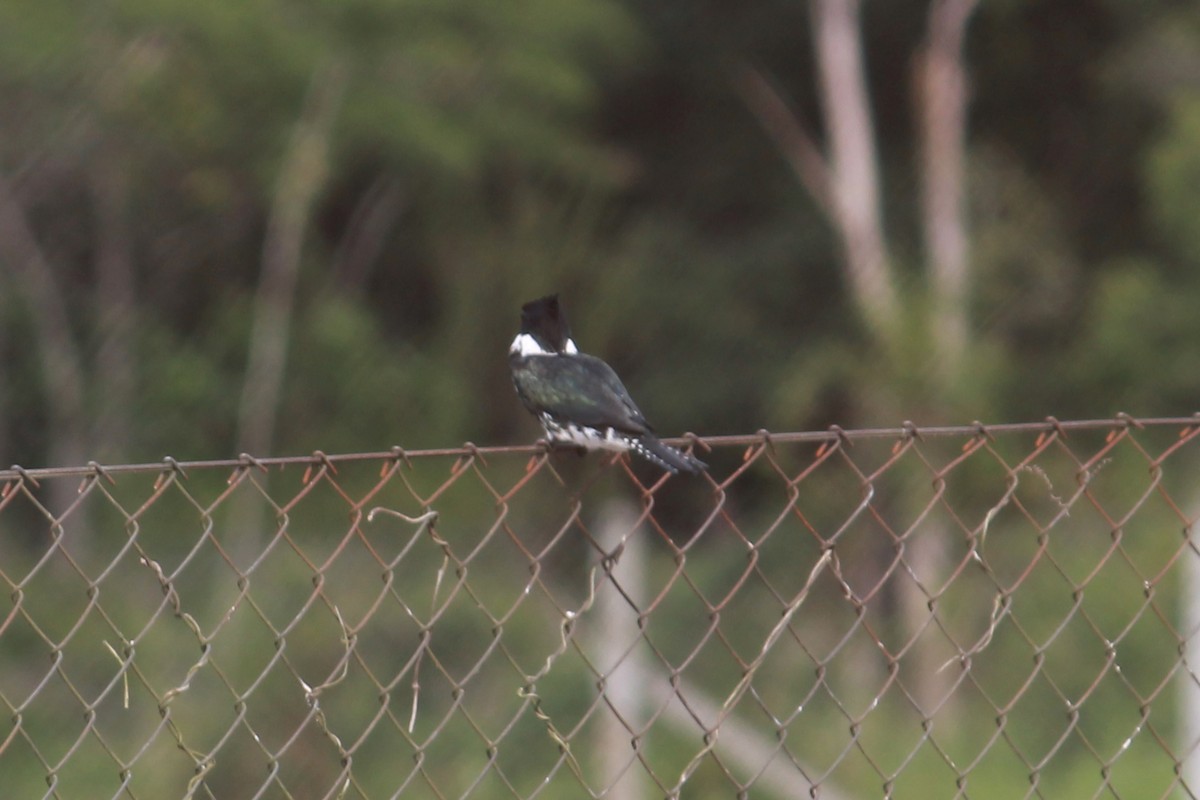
x=606 y=438
x=646 y=445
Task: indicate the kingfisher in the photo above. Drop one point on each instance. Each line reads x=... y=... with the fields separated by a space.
x=578 y=398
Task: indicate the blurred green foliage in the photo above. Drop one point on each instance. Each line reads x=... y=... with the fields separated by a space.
x=600 y=150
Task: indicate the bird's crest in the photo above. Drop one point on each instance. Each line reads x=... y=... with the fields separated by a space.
x=545 y=320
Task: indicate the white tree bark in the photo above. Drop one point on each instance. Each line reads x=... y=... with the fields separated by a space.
x=115 y=292
x=32 y=276
x=373 y=219
x=623 y=668
x=846 y=182
x=62 y=364
x=941 y=95
x=941 y=84
x=1189 y=676
x=301 y=178
x=853 y=162
x=790 y=136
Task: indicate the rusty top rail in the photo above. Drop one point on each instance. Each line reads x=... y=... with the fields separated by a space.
x=907 y=429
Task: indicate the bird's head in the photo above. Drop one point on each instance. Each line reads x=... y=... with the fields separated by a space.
x=544 y=329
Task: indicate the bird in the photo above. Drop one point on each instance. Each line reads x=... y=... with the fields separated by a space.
x=578 y=398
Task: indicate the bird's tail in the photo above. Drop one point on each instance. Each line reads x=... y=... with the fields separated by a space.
x=669 y=458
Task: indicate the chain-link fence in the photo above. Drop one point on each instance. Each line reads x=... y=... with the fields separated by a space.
x=984 y=612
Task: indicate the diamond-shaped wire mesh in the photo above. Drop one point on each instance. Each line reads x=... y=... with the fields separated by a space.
x=962 y=612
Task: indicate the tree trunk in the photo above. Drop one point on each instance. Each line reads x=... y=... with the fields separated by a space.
x=115 y=293
x=62 y=364
x=853 y=163
x=621 y=594
x=942 y=117
x=302 y=176
x=846 y=182
x=373 y=218
x=792 y=139
x=941 y=92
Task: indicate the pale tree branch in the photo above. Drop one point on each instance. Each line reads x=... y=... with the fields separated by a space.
x=366 y=234
x=5 y=392
x=301 y=177
x=780 y=122
x=942 y=95
x=623 y=590
x=108 y=179
x=845 y=180
x=637 y=689
x=62 y=363
x=115 y=294
x=853 y=162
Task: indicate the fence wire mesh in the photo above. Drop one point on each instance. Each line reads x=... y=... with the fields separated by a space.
x=985 y=612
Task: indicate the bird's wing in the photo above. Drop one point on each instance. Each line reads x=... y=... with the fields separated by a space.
x=582 y=389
